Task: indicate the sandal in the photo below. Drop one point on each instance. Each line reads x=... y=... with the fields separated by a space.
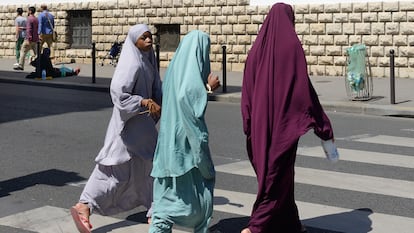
x=81 y=222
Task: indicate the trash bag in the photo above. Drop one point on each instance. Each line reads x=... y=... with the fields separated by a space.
x=356 y=73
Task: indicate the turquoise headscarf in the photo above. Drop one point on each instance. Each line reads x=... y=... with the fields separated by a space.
x=183 y=136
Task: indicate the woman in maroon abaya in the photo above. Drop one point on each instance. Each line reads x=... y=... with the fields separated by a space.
x=279 y=105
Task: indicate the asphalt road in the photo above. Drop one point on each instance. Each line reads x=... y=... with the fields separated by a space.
x=49 y=138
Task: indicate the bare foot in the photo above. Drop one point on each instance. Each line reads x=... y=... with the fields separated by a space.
x=83 y=209
x=246 y=230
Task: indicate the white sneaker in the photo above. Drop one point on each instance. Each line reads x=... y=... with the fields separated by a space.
x=15 y=64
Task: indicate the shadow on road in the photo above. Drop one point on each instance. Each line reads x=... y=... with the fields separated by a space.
x=355 y=221
x=26 y=101
x=52 y=177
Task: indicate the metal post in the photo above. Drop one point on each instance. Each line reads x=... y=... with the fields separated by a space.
x=224 y=70
x=157 y=51
x=392 y=77
x=38 y=70
x=93 y=62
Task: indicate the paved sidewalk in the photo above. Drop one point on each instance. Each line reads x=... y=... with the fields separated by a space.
x=331 y=90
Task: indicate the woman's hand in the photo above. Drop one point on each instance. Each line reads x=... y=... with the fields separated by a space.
x=213 y=81
x=153 y=108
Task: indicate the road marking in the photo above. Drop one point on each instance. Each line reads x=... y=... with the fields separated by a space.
x=354 y=137
x=49 y=219
x=410 y=130
x=388 y=140
x=338 y=180
x=361 y=156
x=79 y=184
x=321 y=216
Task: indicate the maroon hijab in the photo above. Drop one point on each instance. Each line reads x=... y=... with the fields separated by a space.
x=279 y=103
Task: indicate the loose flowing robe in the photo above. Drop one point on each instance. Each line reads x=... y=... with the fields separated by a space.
x=121 y=179
x=183 y=170
x=279 y=104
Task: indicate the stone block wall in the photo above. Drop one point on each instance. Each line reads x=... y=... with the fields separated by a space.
x=326 y=30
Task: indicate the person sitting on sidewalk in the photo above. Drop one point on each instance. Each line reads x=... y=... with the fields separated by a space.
x=46 y=64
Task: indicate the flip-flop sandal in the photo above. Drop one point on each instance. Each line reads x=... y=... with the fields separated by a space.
x=81 y=222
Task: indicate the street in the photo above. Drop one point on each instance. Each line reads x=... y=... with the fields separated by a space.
x=50 y=137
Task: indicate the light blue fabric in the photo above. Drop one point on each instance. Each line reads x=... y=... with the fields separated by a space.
x=183 y=136
x=186 y=201
x=182 y=167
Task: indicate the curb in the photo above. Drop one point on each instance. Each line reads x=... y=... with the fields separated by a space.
x=235 y=97
x=60 y=84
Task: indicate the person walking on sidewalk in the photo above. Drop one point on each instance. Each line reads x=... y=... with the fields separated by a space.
x=20 y=23
x=183 y=172
x=30 y=42
x=121 y=179
x=46 y=28
x=278 y=106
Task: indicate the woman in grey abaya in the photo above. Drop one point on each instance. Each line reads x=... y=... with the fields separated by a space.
x=121 y=180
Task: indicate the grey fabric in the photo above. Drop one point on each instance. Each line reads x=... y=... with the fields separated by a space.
x=114 y=189
x=136 y=77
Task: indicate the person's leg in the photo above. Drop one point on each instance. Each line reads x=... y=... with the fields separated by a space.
x=118 y=188
x=275 y=207
x=186 y=200
x=48 y=39
x=49 y=42
x=19 y=43
x=33 y=46
x=159 y=225
x=42 y=41
x=24 y=50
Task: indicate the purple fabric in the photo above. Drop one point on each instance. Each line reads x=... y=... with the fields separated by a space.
x=279 y=104
x=32 y=25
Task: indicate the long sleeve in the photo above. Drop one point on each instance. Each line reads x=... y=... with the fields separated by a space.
x=29 y=29
x=40 y=18
x=123 y=98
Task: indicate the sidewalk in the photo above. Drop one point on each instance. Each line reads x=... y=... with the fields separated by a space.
x=331 y=90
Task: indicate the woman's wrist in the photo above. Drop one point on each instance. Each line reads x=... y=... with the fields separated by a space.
x=209 y=90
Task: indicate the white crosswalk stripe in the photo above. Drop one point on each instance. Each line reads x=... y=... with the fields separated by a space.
x=388 y=140
x=369 y=184
x=241 y=204
x=362 y=156
x=332 y=217
x=49 y=219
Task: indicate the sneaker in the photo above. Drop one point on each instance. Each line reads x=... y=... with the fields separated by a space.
x=18 y=67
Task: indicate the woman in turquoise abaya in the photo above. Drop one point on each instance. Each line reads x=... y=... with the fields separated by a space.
x=183 y=171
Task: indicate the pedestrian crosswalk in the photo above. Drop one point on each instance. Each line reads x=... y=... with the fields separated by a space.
x=329 y=216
